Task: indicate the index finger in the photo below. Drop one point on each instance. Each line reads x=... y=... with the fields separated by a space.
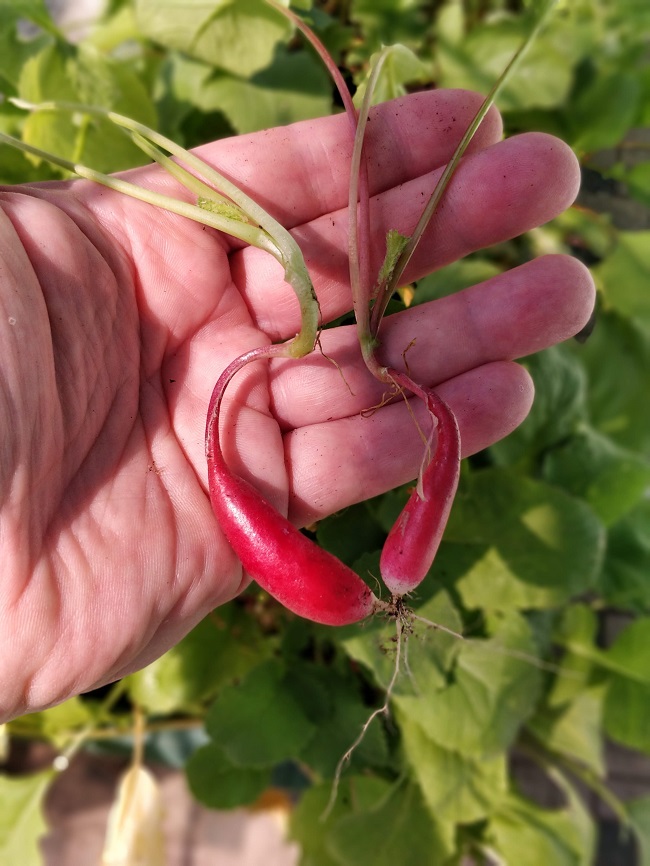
x=301 y=171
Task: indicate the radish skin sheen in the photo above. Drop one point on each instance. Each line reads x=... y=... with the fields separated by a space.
x=413 y=541
x=303 y=577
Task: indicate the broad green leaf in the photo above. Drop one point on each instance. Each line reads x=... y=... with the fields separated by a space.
x=527 y=835
x=625 y=275
x=628 y=698
x=409 y=834
x=611 y=479
x=494 y=688
x=595 y=128
x=630 y=652
x=58 y=723
x=83 y=75
x=542 y=79
x=624 y=582
x=560 y=404
x=639 y=812
x=451 y=22
x=626 y=713
x=577 y=627
x=578 y=632
x=339 y=727
x=456 y=788
x=312 y=831
x=576 y=729
x=224 y=646
x=400 y=68
x=294 y=87
x=239 y=36
x=21 y=818
x=14 y=51
x=426 y=654
x=258 y=722
x=627 y=657
x=533 y=545
x=15 y=167
x=617 y=359
x=218 y=783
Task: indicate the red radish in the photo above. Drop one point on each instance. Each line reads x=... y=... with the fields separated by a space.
x=298 y=573
x=413 y=541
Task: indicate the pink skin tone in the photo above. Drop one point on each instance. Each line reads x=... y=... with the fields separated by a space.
x=116 y=320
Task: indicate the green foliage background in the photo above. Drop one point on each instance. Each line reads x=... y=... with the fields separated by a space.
x=551 y=528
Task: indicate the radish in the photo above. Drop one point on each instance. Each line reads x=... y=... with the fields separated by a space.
x=303 y=577
x=413 y=541
x=294 y=570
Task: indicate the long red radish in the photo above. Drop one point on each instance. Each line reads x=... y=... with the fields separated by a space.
x=413 y=541
x=298 y=573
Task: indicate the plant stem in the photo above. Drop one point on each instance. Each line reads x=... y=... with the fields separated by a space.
x=290 y=255
x=244 y=231
x=359 y=227
x=386 y=289
x=279 y=350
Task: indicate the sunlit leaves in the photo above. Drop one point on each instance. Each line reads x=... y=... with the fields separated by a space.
x=494 y=686
x=239 y=36
x=610 y=478
x=258 y=722
x=21 y=818
x=426 y=654
x=83 y=75
x=520 y=543
x=221 y=648
x=525 y=834
x=575 y=729
x=616 y=358
x=559 y=513
x=625 y=275
x=560 y=404
x=624 y=581
x=409 y=834
x=219 y=783
x=456 y=788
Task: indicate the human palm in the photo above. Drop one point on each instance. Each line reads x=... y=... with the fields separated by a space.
x=118 y=318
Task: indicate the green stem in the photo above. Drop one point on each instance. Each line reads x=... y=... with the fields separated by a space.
x=86 y=733
x=244 y=231
x=386 y=289
x=290 y=256
x=189 y=181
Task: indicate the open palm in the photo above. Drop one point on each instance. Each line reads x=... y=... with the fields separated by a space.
x=116 y=320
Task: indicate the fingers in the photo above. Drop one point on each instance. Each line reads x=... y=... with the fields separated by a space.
x=337 y=463
x=509 y=316
x=496 y=194
x=301 y=171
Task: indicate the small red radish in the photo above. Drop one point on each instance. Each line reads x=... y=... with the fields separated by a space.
x=414 y=539
x=298 y=573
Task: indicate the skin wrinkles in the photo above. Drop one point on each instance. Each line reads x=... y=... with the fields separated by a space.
x=135 y=557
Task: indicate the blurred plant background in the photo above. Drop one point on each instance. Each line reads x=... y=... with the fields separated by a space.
x=497 y=746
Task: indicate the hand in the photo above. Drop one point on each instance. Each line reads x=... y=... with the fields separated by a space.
x=116 y=319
